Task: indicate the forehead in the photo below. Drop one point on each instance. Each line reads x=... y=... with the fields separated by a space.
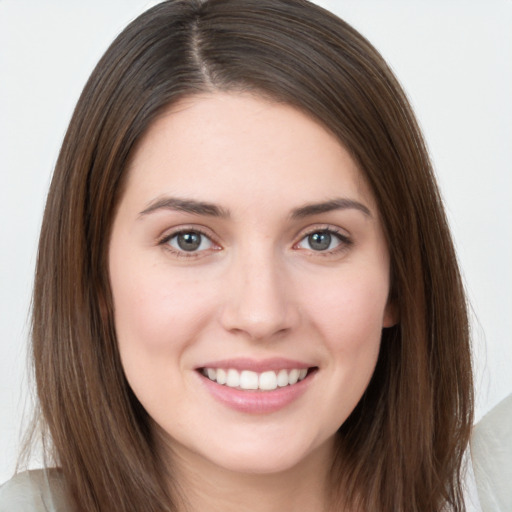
x=243 y=144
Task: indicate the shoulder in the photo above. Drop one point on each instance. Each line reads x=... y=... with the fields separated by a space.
x=491 y=452
x=40 y=490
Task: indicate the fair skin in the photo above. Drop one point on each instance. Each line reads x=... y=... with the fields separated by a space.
x=219 y=261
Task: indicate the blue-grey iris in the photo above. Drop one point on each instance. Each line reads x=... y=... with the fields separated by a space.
x=320 y=241
x=189 y=241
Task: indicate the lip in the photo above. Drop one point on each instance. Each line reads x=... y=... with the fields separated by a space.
x=257 y=402
x=259 y=366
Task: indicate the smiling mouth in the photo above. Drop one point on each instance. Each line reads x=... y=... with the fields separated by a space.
x=248 y=380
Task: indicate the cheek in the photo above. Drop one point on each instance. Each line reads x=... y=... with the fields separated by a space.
x=350 y=311
x=157 y=312
x=158 y=315
x=349 y=319
x=143 y=312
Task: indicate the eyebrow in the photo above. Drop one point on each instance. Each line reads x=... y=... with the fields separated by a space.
x=185 y=205
x=328 y=206
x=212 y=210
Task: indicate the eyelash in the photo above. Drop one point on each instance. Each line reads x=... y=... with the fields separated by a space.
x=187 y=254
x=344 y=242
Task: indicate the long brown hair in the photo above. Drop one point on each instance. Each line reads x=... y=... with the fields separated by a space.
x=402 y=447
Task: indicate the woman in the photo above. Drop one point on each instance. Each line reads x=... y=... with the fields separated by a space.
x=246 y=292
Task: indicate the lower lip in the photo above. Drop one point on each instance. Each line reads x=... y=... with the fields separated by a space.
x=257 y=402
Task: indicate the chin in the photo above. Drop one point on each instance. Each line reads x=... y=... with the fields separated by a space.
x=260 y=463
x=264 y=455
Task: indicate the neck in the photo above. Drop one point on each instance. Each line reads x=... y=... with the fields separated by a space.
x=204 y=485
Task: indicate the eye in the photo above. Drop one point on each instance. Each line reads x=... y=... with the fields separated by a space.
x=324 y=240
x=188 y=241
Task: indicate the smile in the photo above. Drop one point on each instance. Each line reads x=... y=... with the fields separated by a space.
x=248 y=380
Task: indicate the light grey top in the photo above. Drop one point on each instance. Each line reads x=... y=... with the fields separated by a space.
x=491 y=451
x=38 y=490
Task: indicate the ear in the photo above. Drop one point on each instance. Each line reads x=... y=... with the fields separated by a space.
x=391 y=314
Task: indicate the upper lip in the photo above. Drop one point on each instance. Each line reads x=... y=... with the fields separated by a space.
x=256 y=365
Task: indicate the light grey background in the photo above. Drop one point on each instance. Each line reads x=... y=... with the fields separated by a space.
x=454 y=58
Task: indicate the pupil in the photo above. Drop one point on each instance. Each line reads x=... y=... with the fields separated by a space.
x=189 y=241
x=319 y=241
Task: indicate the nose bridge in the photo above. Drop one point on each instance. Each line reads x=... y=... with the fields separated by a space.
x=258 y=300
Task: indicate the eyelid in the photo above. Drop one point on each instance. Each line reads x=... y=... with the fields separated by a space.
x=170 y=234
x=345 y=239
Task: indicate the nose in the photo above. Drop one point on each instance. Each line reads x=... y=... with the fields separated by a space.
x=259 y=300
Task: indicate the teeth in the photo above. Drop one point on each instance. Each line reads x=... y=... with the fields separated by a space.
x=282 y=378
x=268 y=381
x=221 y=376
x=233 y=380
x=249 y=380
x=293 y=376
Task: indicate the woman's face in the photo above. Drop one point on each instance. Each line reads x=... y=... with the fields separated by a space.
x=247 y=253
